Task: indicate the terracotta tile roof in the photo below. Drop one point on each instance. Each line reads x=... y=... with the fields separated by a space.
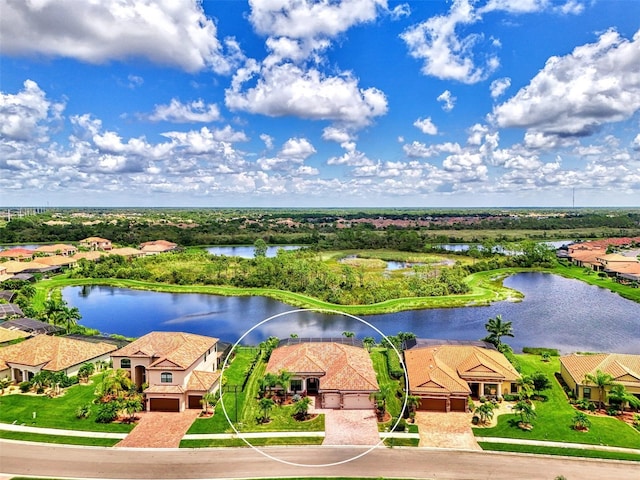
x=126 y=252
x=92 y=255
x=342 y=367
x=54 y=353
x=7 y=335
x=448 y=368
x=95 y=239
x=56 y=260
x=178 y=348
x=624 y=368
x=164 y=389
x=58 y=247
x=201 y=381
x=17 y=253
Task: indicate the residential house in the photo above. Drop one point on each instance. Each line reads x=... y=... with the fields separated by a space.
x=444 y=374
x=17 y=254
x=57 y=249
x=157 y=246
x=339 y=371
x=623 y=368
x=10 y=310
x=126 y=252
x=8 y=335
x=96 y=243
x=23 y=360
x=175 y=369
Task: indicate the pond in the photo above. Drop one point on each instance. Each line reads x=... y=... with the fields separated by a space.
x=556 y=312
x=247 y=251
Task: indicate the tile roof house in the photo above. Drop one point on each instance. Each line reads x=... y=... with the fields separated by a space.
x=157 y=246
x=127 y=252
x=22 y=361
x=177 y=368
x=445 y=375
x=341 y=374
x=624 y=368
x=57 y=249
x=17 y=254
x=96 y=243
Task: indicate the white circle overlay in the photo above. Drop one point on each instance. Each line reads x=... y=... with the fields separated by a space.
x=320 y=310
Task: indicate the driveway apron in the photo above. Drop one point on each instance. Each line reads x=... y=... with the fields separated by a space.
x=160 y=429
x=446 y=430
x=349 y=427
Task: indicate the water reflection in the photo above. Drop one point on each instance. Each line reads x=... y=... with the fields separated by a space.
x=556 y=312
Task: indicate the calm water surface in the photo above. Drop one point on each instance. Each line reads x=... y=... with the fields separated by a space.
x=248 y=251
x=556 y=312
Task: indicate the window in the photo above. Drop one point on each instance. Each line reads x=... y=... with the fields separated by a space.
x=125 y=363
x=586 y=393
x=166 y=377
x=296 y=385
x=514 y=387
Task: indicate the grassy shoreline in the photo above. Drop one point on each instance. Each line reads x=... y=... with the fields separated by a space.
x=486 y=288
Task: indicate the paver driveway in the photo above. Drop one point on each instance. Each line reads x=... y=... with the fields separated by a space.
x=349 y=427
x=160 y=429
x=446 y=430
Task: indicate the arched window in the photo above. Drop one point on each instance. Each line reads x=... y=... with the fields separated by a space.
x=166 y=377
x=125 y=363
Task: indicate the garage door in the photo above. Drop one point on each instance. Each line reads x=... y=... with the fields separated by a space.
x=195 y=401
x=358 y=401
x=433 y=404
x=331 y=400
x=458 y=404
x=164 y=405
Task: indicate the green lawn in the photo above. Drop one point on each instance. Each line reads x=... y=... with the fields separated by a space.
x=569 y=452
x=553 y=422
x=256 y=442
x=60 y=439
x=58 y=412
x=379 y=360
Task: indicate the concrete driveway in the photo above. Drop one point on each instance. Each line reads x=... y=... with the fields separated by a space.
x=446 y=430
x=349 y=427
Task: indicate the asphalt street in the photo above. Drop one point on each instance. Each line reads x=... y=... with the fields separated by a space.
x=121 y=463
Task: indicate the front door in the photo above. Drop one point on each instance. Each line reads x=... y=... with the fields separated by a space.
x=312 y=386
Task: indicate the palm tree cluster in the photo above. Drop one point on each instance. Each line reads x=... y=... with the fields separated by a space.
x=59 y=313
x=497 y=329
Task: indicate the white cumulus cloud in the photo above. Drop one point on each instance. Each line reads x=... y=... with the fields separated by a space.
x=426 y=126
x=168 y=32
x=573 y=95
x=178 y=112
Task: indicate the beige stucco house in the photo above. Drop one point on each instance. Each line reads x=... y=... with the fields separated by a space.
x=339 y=372
x=444 y=375
x=96 y=243
x=23 y=360
x=623 y=368
x=176 y=369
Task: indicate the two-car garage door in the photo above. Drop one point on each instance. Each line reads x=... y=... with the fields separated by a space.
x=164 y=405
x=440 y=404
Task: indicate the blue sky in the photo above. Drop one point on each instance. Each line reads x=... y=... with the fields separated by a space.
x=361 y=103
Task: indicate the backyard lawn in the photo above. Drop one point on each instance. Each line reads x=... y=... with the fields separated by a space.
x=554 y=417
x=57 y=412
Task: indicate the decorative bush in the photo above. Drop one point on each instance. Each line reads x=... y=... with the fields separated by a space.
x=107 y=412
x=25 y=387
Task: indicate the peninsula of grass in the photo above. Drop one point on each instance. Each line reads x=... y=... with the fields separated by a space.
x=486 y=287
x=554 y=417
x=58 y=412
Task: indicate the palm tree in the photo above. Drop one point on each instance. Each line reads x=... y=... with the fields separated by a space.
x=208 y=400
x=485 y=411
x=413 y=402
x=526 y=387
x=114 y=384
x=581 y=421
x=525 y=410
x=301 y=408
x=601 y=380
x=265 y=404
x=497 y=329
x=619 y=395
x=348 y=334
x=284 y=379
x=386 y=390
x=368 y=343
x=4 y=383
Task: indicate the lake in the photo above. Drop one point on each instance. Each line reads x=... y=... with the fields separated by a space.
x=556 y=312
x=248 y=251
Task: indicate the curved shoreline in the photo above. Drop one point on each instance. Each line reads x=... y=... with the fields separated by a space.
x=486 y=288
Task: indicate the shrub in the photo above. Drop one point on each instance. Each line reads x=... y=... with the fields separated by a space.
x=25 y=387
x=552 y=352
x=612 y=412
x=393 y=364
x=107 y=412
x=510 y=397
x=83 y=411
x=401 y=426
